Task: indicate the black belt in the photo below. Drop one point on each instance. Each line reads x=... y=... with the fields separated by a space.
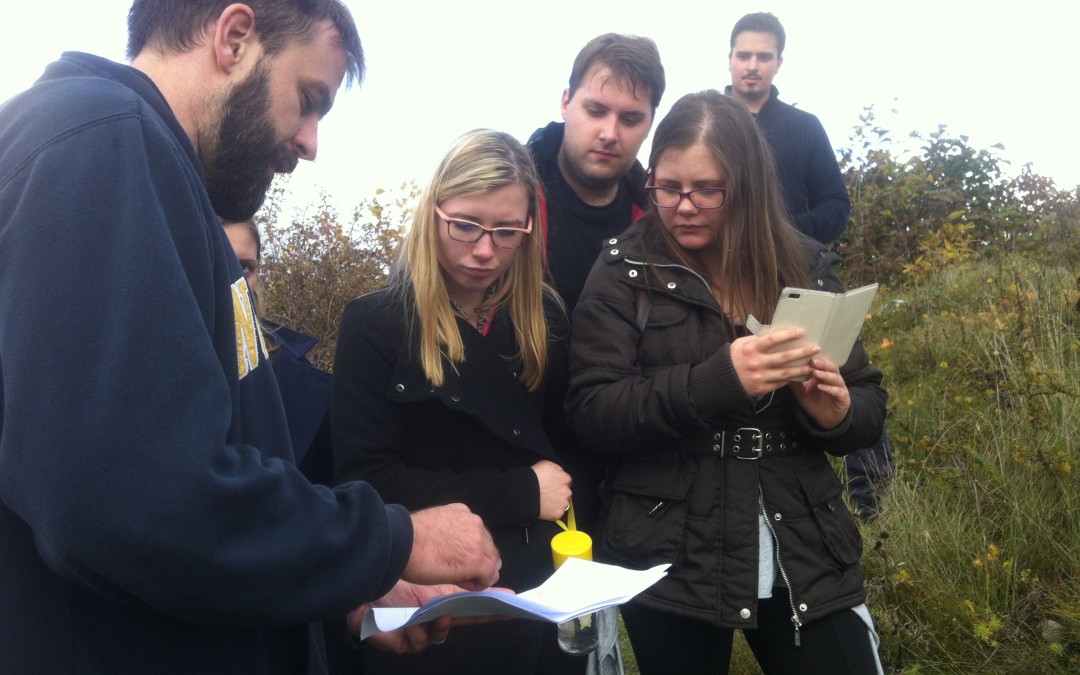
x=753 y=443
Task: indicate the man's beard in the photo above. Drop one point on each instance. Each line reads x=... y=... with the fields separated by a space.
x=240 y=162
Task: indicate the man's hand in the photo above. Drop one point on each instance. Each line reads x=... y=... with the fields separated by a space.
x=451 y=545
x=416 y=638
x=411 y=639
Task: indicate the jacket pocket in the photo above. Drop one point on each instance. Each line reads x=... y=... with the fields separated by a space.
x=645 y=515
x=662 y=339
x=832 y=518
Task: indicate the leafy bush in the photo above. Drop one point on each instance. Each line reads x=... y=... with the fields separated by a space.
x=314 y=265
x=944 y=205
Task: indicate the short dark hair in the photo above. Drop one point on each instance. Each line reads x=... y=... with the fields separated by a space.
x=629 y=57
x=760 y=22
x=175 y=25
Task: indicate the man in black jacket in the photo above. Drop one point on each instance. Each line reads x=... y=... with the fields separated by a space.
x=813 y=188
x=593 y=187
x=593 y=184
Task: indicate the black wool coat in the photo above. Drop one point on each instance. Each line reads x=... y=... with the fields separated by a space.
x=471 y=440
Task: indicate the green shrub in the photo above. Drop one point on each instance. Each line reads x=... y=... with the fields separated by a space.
x=314 y=264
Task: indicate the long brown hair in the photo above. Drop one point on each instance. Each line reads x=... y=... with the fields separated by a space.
x=758 y=249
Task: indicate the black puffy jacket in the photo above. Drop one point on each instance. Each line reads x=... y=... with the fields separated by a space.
x=666 y=406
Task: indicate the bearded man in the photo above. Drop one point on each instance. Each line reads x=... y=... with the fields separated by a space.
x=151 y=518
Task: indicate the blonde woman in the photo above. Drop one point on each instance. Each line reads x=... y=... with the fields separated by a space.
x=449 y=383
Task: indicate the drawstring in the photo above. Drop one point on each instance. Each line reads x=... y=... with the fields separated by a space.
x=571 y=523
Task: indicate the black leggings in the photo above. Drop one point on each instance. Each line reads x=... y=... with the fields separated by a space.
x=665 y=643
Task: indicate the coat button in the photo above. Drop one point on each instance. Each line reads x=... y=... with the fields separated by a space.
x=613 y=241
x=614 y=251
x=400 y=387
x=455 y=399
x=671 y=285
x=802 y=607
x=744 y=613
x=633 y=274
x=777 y=517
x=517 y=432
x=820 y=282
x=716 y=448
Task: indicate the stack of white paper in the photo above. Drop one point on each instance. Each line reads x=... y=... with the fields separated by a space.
x=577 y=587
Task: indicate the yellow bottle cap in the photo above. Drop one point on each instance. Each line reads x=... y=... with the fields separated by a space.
x=570 y=544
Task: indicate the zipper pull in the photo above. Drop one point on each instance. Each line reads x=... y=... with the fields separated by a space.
x=655 y=508
x=798 y=638
x=525 y=529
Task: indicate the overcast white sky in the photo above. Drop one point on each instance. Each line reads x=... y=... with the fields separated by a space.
x=1007 y=75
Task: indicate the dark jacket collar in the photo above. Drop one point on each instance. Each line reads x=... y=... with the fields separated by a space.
x=544 y=145
x=294 y=342
x=774 y=98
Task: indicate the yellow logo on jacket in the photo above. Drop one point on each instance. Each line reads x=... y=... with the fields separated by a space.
x=249 y=341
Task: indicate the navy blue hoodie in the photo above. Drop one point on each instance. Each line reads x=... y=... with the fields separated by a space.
x=151 y=517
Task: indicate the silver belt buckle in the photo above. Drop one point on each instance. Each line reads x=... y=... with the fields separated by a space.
x=752 y=446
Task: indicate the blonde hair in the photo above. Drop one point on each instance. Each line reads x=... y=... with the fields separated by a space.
x=480 y=161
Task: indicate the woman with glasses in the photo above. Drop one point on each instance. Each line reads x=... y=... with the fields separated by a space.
x=449 y=385
x=719 y=459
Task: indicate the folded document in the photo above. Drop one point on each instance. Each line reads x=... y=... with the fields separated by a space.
x=577 y=587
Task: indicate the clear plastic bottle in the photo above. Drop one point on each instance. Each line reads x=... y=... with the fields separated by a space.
x=582 y=635
x=579 y=635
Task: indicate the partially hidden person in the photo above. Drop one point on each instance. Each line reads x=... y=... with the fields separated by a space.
x=305 y=388
x=813 y=190
x=593 y=184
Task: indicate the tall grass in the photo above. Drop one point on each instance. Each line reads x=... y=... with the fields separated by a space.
x=974 y=564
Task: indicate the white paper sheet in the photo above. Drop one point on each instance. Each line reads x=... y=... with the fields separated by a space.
x=577 y=587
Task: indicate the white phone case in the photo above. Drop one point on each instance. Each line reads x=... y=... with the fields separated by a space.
x=832 y=321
